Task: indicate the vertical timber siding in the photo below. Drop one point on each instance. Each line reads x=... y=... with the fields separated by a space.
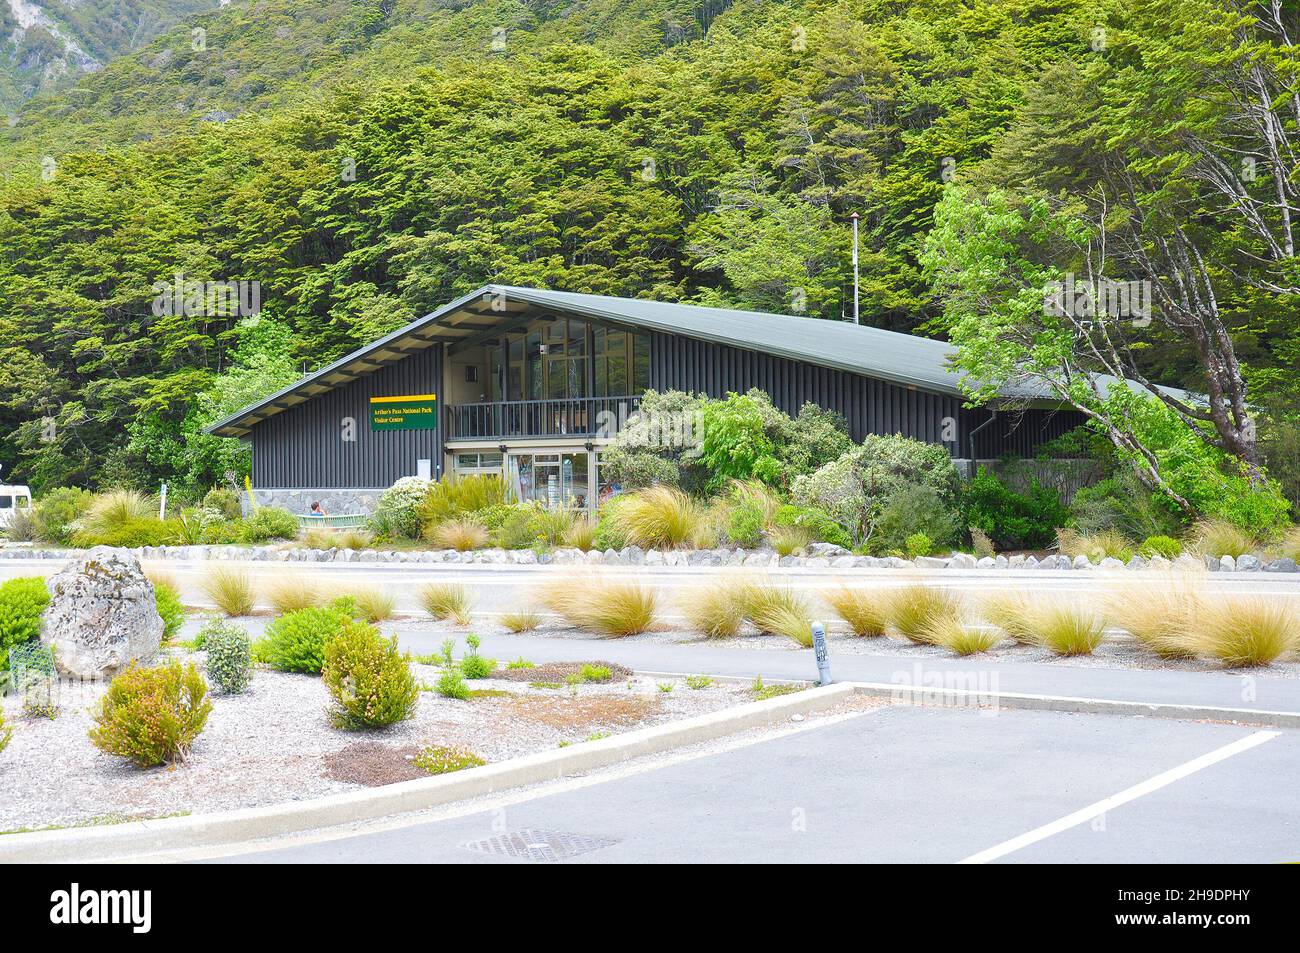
x=868 y=404
x=302 y=447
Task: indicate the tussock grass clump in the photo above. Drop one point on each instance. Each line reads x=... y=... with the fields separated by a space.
x=1243 y=631
x=658 y=517
x=517 y=622
x=613 y=609
x=114 y=509
x=230 y=589
x=1012 y=613
x=289 y=593
x=1289 y=544
x=374 y=603
x=460 y=535
x=1095 y=546
x=949 y=632
x=1067 y=629
x=716 y=611
x=446 y=601
x=1156 y=613
x=917 y=610
x=788 y=540
x=1221 y=538
x=867 y=613
x=777 y=610
x=581 y=535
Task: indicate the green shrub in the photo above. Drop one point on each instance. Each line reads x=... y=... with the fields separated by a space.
x=21 y=603
x=1121 y=503
x=57 y=510
x=918 y=544
x=1013 y=520
x=369 y=678
x=451 y=683
x=152 y=715
x=1160 y=546
x=270 y=522
x=397 y=512
x=525 y=525
x=474 y=665
x=224 y=501
x=912 y=512
x=143 y=531
x=230 y=656
x=295 y=642
x=817 y=521
x=745 y=525
x=6 y=731
x=855 y=488
x=169 y=605
x=222 y=533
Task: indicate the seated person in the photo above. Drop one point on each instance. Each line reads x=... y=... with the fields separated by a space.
x=317 y=509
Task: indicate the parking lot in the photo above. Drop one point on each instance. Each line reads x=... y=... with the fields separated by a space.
x=901 y=784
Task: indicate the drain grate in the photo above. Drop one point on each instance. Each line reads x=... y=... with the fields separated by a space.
x=539 y=845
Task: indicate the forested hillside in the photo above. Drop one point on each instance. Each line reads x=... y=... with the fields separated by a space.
x=47 y=45
x=365 y=161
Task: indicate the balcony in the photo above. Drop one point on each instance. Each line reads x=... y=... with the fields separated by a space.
x=579 y=417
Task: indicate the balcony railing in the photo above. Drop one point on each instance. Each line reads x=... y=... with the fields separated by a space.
x=580 y=417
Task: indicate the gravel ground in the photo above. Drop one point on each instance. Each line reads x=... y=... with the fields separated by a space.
x=1120 y=650
x=275 y=743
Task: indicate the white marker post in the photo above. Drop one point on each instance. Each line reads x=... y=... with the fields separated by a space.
x=819 y=649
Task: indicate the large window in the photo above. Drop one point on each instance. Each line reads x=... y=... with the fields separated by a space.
x=568 y=359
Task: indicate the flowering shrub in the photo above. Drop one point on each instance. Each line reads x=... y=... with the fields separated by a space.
x=396 y=512
x=369 y=678
x=152 y=715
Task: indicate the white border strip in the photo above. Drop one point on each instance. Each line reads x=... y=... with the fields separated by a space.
x=1148 y=786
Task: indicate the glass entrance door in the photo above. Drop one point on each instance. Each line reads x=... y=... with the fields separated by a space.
x=552 y=479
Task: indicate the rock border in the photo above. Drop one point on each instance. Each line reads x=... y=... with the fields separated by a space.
x=819 y=556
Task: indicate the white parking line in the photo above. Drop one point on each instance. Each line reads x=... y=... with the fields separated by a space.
x=1161 y=780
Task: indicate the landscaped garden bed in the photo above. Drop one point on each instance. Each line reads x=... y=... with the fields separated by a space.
x=275 y=742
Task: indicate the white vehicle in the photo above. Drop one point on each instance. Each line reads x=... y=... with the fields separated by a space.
x=13 y=499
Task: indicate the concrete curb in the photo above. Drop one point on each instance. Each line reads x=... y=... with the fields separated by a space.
x=123 y=841
x=957 y=697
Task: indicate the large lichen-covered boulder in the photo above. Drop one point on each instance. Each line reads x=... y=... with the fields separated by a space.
x=102 y=615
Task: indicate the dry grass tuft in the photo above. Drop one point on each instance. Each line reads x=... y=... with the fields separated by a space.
x=715 y=611
x=788 y=540
x=460 y=535
x=658 y=517
x=1011 y=612
x=963 y=640
x=581 y=535
x=517 y=622
x=446 y=601
x=231 y=590
x=289 y=593
x=614 y=609
x=777 y=610
x=376 y=603
x=1221 y=538
x=1156 y=612
x=916 y=611
x=1095 y=546
x=1243 y=631
x=866 y=612
x=1066 y=628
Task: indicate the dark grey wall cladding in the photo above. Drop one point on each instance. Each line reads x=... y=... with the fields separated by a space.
x=303 y=446
x=869 y=405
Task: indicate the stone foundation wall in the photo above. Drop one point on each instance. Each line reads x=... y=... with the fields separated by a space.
x=335 y=502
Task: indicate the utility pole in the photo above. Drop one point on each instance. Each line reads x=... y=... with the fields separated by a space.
x=855 y=269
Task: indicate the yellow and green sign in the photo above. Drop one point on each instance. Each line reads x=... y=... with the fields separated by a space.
x=416 y=412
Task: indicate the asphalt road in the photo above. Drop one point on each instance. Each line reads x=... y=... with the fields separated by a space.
x=899 y=784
